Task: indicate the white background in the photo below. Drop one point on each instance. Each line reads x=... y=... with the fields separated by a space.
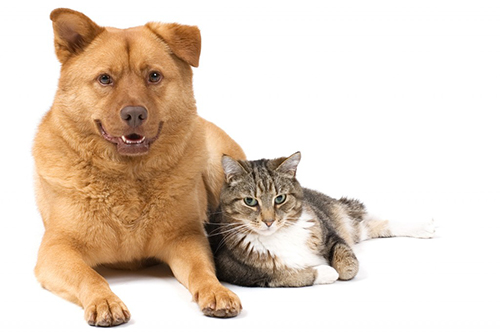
x=392 y=102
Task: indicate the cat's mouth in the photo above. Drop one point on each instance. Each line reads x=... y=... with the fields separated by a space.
x=265 y=230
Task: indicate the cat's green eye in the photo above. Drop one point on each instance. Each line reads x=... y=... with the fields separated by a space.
x=250 y=201
x=280 y=199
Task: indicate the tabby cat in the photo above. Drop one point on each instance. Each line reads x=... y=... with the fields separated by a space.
x=271 y=232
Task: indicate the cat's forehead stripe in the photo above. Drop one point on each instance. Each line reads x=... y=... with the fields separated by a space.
x=263 y=179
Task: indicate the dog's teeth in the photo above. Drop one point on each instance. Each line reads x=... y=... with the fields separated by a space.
x=127 y=141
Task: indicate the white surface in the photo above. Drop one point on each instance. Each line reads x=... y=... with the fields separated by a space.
x=392 y=102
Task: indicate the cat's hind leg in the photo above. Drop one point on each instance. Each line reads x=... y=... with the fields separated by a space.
x=316 y=275
x=374 y=227
x=344 y=261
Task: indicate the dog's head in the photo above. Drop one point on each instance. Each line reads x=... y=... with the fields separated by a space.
x=127 y=86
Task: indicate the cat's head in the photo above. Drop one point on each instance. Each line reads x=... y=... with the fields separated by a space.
x=263 y=195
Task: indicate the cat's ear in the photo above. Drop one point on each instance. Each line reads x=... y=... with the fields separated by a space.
x=232 y=168
x=289 y=165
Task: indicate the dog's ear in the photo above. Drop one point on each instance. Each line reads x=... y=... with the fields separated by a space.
x=183 y=40
x=73 y=31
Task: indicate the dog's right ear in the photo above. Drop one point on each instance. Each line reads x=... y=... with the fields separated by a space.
x=73 y=31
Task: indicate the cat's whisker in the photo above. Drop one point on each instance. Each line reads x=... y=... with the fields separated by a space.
x=232 y=236
x=231 y=228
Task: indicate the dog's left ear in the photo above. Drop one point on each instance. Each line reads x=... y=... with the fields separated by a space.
x=183 y=40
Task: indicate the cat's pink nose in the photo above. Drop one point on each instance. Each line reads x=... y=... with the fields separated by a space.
x=269 y=223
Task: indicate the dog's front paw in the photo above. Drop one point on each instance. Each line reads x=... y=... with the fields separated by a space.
x=110 y=311
x=218 y=301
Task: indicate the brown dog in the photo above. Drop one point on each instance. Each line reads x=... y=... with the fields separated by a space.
x=125 y=168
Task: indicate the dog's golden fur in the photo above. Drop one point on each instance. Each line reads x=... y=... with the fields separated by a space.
x=104 y=201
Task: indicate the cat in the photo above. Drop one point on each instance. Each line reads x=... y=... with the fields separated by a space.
x=270 y=232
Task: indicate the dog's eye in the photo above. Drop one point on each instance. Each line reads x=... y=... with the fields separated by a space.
x=105 y=79
x=154 y=77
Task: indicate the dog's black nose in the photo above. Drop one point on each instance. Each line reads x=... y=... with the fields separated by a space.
x=134 y=116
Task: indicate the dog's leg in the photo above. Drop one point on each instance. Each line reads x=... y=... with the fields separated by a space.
x=191 y=261
x=61 y=269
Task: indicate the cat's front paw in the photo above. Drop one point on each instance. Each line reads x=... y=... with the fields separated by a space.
x=325 y=274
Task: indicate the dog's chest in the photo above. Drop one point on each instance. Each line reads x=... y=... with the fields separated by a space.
x=127 y=216
x=120 y=201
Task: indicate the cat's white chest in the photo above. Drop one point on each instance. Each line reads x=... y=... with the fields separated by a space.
x=289 y=246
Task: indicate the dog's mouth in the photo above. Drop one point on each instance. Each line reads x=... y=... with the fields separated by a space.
x=133 y=139
x=132 y=144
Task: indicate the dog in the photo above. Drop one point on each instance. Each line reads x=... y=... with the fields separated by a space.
x=125 y=169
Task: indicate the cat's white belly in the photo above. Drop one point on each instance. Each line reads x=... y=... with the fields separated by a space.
x=289 y=246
